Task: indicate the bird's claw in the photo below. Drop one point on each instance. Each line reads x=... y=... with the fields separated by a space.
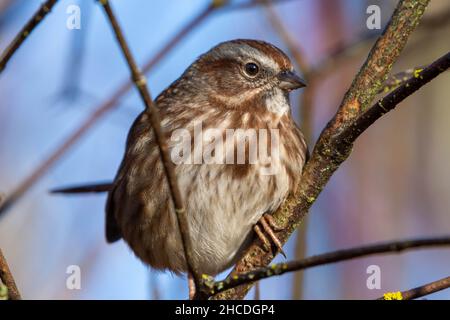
x=268 y=224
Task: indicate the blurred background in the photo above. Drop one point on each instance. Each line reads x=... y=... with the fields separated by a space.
x=395 y=185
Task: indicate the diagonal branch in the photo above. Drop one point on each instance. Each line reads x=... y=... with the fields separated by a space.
x=97 y=187
x=327 y=157
x=250 y=4
x=288 y=39
x=396 y=80
x=418 y=292
x=169 y=167
x=421 y=76
x=99 y=113
x=305 y=105
x=323 y=259
x=7 y=279
x=40 y=14
x=349 y=49
x=388 y=103
x=277 y=24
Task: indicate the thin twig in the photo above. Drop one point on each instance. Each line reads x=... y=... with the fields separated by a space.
x=40 y=14
x=257 y=291
x=306 y=119
x=398 y=79
x=71 y=90
x=7 y=279
x=250 y=4
x=418 y=292
x=98 y=114
x=347 y=50
x=101 y=111
x=322 y=259
x=350 y=134
x=326 y=158
x=154 y=286
x=97 y=187
x=436 y=20
x=341 y=53
x=169 y=167
x=293 y=48
x=276 y=22
x=388 y=103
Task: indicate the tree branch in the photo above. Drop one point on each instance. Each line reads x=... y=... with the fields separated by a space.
x=418 y=292
x=97 y=187
x=99 y=113
x=326 y=156
x=346 y=137
x=169 y=167
x=322 y=259
x=277 y=24
x=249 y=4
x=7 y=279
x=305 y=105
x=396 y=80
x=40 y=14
x=388 y=103
x=348 y=50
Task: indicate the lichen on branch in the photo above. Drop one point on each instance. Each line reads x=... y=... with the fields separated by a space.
x=326 y=157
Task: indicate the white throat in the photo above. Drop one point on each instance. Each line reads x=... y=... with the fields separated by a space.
x=278 y=102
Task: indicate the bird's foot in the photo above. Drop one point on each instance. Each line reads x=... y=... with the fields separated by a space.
x=268 y=225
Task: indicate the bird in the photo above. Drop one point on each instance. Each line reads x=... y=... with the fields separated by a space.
x=240 y=86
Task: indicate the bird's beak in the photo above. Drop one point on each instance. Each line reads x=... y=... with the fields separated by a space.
x=289 y=80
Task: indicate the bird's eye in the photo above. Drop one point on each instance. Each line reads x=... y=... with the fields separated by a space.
x=251 y=69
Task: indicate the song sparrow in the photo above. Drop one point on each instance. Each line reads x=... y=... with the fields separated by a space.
x=239 y=84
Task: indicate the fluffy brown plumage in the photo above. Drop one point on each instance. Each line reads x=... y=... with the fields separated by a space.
x=223 y=201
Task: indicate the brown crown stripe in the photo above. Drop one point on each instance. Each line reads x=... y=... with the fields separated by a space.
x=271 y=51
